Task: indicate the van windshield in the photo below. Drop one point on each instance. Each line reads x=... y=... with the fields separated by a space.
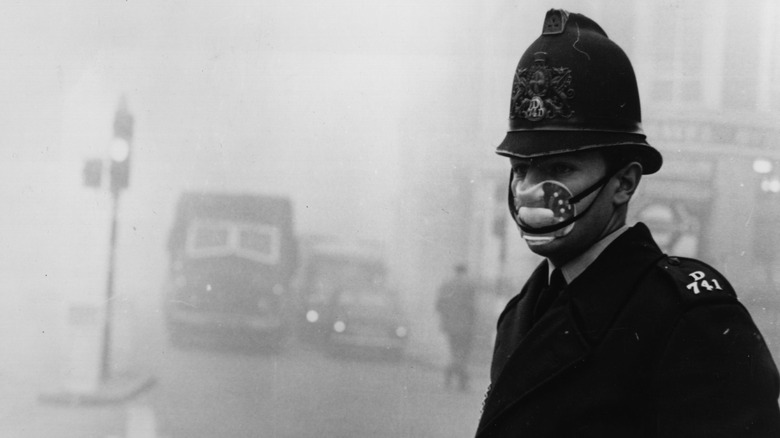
x=258 y=242
x=207 y=236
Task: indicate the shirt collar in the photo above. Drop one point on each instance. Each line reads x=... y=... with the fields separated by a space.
x=576 y=266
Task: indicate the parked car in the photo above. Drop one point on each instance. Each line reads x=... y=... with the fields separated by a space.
x=232 y=257
x=345 y=300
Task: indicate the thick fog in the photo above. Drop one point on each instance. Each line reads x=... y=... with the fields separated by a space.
x=377 y=121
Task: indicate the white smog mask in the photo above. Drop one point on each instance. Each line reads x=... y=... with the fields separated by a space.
x=547 y=210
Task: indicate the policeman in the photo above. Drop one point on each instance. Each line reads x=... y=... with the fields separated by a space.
x=609 y=337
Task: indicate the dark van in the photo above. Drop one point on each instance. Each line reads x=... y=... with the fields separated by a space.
x=231 y=260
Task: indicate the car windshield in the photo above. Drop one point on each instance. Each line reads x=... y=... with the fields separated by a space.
x=366 y=297
x=331 y=275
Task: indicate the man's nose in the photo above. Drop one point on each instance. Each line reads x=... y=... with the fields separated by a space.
x=528 y=194
x=532 y=177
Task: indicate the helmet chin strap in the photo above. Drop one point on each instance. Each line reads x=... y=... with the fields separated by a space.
x=574 y=200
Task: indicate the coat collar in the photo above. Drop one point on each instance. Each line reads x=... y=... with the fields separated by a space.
x=575 y=323
x=528 y=297
x=603 y=289
x=573 y=268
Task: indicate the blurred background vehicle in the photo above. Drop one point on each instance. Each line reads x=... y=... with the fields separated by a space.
x=231 y=260
x=345 y=300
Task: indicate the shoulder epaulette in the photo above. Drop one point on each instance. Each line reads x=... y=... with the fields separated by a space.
x=696 y=281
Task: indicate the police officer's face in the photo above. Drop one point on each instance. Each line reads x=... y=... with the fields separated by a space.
x=578 y=171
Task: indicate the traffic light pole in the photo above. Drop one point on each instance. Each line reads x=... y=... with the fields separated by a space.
x=105 y=369
x=119 y=175
x=110 y=388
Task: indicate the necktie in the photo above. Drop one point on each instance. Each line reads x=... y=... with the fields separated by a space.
x=549 y=294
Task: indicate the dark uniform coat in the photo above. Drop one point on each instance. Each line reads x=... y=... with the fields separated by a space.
x=639 y=345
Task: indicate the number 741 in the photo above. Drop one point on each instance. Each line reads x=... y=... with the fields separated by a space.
x=706 y=284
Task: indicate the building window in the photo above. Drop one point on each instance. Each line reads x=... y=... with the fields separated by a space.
x=677 y=55
x=742 y=56
x=772 y=34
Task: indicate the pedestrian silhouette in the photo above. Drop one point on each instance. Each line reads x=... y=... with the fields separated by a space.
x=457 y=310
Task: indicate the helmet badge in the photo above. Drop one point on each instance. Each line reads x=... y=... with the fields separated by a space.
x=541 y=91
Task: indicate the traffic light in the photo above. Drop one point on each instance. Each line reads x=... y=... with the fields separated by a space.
x=121 y=148
x=93 y=172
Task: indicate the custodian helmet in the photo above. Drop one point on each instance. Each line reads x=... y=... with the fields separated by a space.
x=575 y=89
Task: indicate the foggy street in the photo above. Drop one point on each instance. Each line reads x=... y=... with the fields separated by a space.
x=301 y=393
x=211 y=388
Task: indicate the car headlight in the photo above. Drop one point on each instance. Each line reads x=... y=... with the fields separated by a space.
x=312 y=316
x=339 y=326
x=401 y=332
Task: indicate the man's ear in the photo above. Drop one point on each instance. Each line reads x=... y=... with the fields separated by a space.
x=628 y=180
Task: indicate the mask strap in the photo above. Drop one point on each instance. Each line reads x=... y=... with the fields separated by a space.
x=573 y=200
x=597 y=185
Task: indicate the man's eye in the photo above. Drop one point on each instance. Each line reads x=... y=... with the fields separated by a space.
x=561 y=169
x=520 y=171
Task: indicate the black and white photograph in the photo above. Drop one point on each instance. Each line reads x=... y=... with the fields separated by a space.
x=414 y=219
